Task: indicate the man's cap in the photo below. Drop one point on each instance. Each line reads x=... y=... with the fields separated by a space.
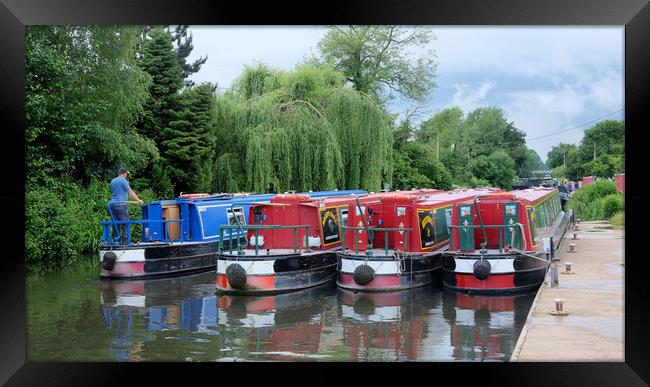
x=122 y=170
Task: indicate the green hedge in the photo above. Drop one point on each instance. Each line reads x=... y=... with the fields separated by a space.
x=599 y=200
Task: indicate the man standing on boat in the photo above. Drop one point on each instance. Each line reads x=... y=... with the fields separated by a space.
x=120 y=191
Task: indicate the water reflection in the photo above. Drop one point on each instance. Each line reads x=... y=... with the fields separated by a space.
x=185 y=304
x=285 y=326
x=485 y=327
x=181 y=319
x=388 y=326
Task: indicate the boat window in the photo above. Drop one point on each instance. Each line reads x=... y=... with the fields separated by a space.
x=344 y=216
x=239 y=212
x=531 y=224
x=401 y=211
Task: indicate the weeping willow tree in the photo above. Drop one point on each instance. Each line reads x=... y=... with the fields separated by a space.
x=300 y=130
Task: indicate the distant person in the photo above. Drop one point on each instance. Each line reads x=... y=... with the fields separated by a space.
x=120 y=191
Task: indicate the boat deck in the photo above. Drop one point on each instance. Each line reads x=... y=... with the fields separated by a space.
x=275 y=252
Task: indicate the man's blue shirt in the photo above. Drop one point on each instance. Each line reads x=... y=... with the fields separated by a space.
x=119 y=190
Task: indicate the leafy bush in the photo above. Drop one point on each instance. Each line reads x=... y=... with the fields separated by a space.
x=611 y=204
x=589 y=202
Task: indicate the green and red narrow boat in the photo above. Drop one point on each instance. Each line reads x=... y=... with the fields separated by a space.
x=394 y=241
x=291 y=244
x=500 y=243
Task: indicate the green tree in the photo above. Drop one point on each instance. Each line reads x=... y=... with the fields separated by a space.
x=440 y=128
x=406 y=175
x=498 y=168
x=83 y=94
x=531 y=163
x=380 y=60
x=301 y=130
x=602 y=166
x=189 y=147
x=159 y=60
x=556 y=156
x=604 y=138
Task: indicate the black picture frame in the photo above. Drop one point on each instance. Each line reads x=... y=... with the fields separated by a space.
x=633 y=14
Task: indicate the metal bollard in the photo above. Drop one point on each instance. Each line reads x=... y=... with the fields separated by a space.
x=572 y=248
x=559 y=307
x=575 y=236
x=567 y=268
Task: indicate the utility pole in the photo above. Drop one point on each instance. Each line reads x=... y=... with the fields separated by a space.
x=564 y=158
x=594 y=150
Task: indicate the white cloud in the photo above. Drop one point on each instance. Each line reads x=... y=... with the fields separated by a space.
x=540 y=112
x=467 y=98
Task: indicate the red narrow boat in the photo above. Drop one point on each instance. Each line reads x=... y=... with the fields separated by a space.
x=291 y=245
x=394 y=241
x=500 y=242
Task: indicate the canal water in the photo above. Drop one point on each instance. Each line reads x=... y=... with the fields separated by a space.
x=78 y=317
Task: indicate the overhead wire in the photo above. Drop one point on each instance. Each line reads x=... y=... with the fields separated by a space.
x=575 y=127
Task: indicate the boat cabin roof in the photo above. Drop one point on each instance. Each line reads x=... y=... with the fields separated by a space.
x=528 y=196
x=436 y=197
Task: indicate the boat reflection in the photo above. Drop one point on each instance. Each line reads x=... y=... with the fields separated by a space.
x=284 y=326
x=391 y=325
x=485 y=327
x=185 y=304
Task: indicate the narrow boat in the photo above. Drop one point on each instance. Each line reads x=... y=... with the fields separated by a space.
x=178 y=236
x=291 y=244
x=501 y=242
x=394 y=242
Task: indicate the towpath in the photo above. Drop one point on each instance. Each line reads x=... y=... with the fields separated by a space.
x=594 y=298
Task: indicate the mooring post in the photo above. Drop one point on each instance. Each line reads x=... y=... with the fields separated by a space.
x=554 y=277
x=554 y=260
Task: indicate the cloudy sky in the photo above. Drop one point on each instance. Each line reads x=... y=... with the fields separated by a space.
x=546 y=79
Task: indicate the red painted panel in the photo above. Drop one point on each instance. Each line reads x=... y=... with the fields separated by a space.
x=620 y=183
x=495 y=281
x=266 y=282
x=492 y=304
x=380 y=282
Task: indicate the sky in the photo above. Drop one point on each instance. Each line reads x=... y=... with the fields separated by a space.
x=545 y=79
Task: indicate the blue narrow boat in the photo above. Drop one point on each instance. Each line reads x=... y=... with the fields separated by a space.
x=179 y=236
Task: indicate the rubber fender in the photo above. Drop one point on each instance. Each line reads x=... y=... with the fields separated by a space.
x=363 y=274
x=236 y=276
x=482 y=269
x=108 y=262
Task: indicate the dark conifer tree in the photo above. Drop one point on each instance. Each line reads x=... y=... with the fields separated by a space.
x=183 y=49
x=189 y=147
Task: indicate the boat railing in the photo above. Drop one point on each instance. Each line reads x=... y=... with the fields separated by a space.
x=242 y=229
x=115 y=241
x=501 y=227
x=386 y=231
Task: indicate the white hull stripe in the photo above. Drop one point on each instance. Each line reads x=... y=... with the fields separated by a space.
x=131 y=255
x=251 y=267
x=380 y=267
x=497 y=265
x=381 y=313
